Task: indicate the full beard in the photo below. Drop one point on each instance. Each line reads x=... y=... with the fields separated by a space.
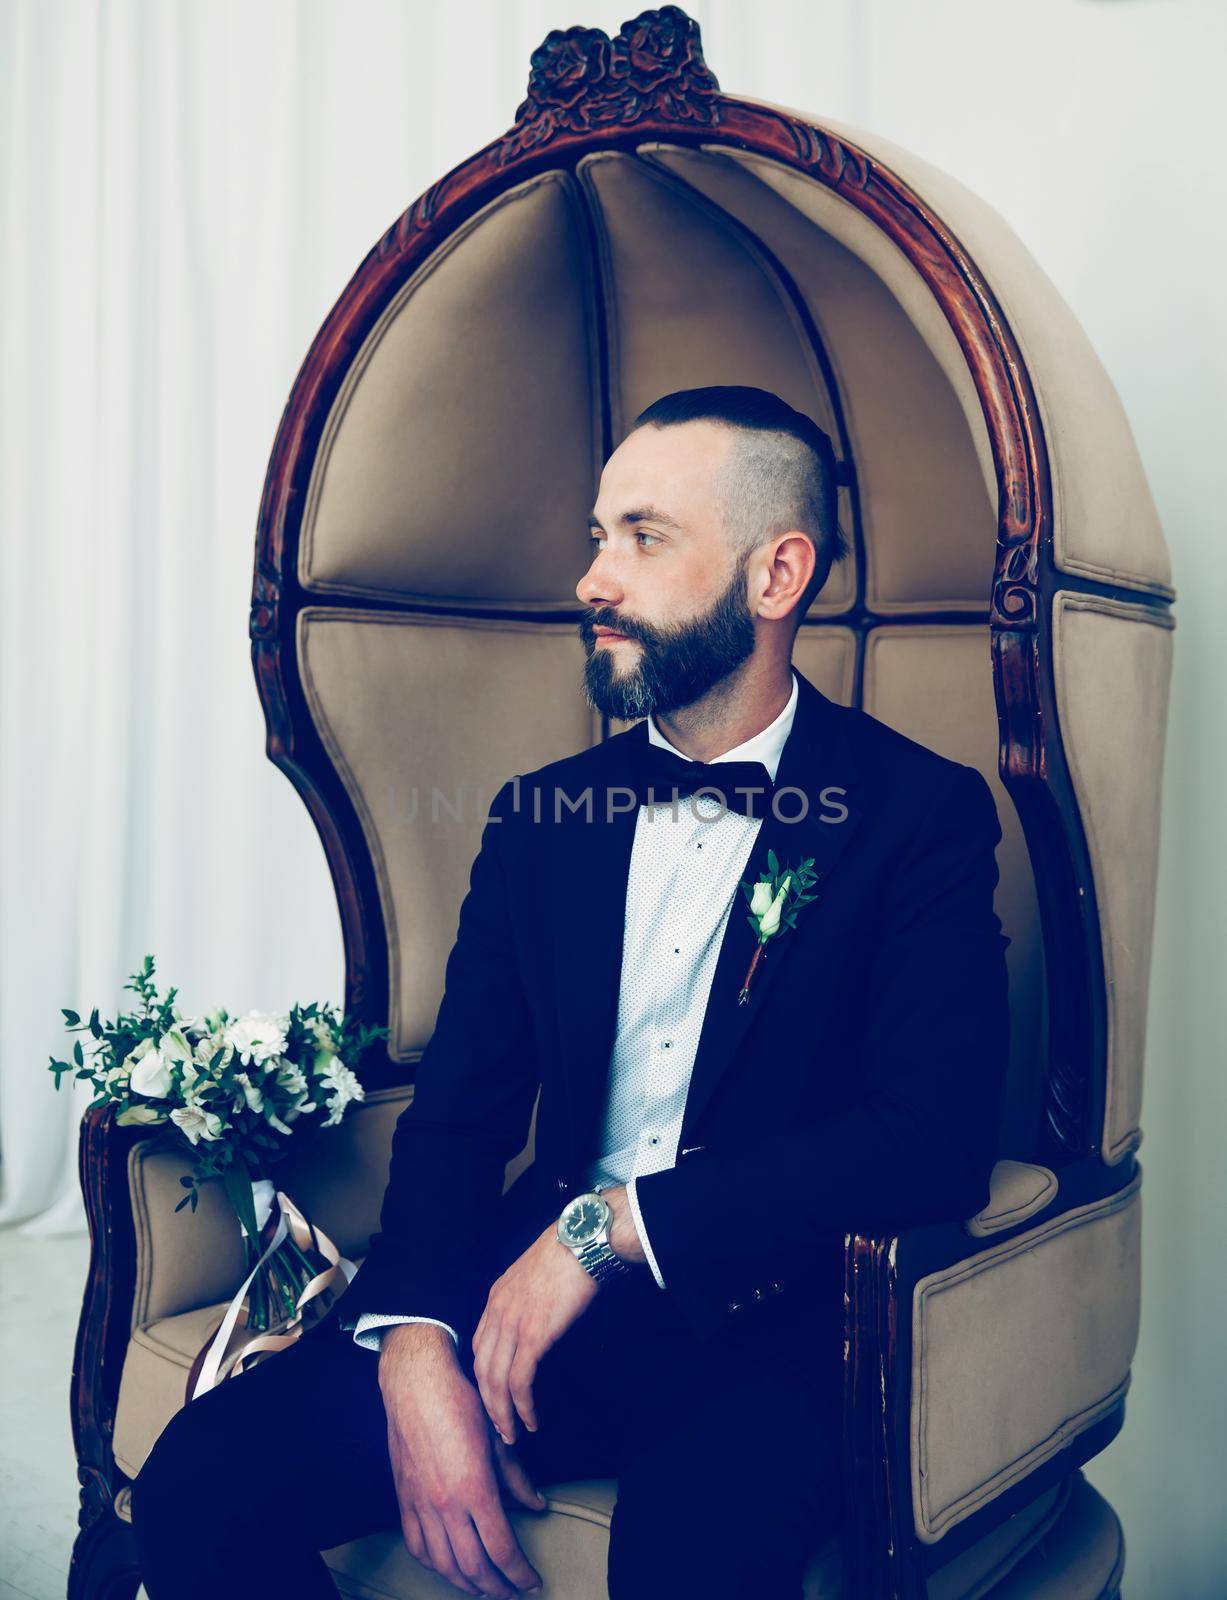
x=677 y=665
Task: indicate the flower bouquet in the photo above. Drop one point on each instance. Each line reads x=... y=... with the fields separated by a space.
x=231 y=1094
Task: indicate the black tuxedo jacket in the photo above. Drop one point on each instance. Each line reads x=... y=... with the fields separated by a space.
x=860 y=1087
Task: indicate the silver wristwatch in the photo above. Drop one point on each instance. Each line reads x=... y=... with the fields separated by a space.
x=583 y=1226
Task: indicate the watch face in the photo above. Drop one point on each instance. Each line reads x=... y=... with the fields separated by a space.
x=583 y=1219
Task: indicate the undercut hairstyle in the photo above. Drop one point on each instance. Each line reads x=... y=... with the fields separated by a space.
x=780 y=474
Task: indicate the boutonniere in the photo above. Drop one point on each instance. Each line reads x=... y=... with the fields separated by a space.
x=774 y=902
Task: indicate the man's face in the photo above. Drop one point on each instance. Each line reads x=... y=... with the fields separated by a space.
x=669 y=615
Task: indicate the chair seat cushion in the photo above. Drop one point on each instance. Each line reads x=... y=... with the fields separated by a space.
x=567 y=1543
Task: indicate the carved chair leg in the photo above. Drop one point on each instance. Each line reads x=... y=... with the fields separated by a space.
x=104 y=1565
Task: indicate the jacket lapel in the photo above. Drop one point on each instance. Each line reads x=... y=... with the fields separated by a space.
x=589 y=877
x=593 y=869
x=816 y=763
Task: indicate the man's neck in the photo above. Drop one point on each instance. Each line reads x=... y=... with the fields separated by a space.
x=693 y=732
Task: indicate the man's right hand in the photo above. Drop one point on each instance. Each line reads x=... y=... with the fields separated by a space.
x=448 y=1462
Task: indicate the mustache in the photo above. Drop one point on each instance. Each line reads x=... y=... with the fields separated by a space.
x=605 y=618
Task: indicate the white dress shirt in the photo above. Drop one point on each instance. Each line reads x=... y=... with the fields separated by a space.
x=686 y=866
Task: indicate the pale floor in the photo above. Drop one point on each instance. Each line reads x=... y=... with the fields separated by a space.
x=41 y=1282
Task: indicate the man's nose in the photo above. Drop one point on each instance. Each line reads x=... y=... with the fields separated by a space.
x=598 y=586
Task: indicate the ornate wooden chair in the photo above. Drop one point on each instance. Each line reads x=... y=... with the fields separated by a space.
x=414 y=627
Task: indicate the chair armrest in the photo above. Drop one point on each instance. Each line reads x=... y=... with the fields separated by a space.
x=187 y=1259
x=979 y=1374
x=1017 y=1190
x=184 y=1259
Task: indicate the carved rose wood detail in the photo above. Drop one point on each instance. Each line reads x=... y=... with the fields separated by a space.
x=581 y=80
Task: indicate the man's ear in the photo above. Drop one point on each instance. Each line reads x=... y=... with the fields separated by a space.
x=790 y=564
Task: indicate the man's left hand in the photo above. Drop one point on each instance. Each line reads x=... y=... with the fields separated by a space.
x=529 y=1308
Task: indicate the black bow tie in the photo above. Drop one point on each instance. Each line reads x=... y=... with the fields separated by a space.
x=656 y=775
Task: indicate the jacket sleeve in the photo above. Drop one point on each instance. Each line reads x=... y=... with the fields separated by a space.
x=920 y=1144
x=469 y=1116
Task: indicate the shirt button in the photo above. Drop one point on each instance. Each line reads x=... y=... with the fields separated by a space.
x=653 y=1138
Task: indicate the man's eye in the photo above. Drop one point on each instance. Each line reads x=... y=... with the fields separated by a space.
x=596 y=541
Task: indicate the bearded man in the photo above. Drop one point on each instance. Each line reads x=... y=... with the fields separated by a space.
x=743 y=959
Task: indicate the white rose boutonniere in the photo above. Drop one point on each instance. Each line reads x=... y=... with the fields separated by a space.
x=774 y=902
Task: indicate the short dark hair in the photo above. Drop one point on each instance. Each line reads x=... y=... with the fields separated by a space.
x=781 y=473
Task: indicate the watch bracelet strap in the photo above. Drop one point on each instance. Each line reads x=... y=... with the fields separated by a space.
x=601 y=1261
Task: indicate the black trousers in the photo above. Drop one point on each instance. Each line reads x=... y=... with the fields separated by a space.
x=725 y=1450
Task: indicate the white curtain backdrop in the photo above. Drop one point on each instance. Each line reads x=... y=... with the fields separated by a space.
x=186 y=186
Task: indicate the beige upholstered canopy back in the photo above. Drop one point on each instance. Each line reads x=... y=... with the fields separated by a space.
x=1007 y=599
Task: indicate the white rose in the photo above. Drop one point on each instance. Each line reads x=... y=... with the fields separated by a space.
x=256 y=1037
x=150 y=1073
x=760 y=900
x=771 y=918
x=195 y=1123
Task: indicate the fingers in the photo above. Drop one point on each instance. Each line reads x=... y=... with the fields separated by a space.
x=411 y=1531
x=520 y=1382
x=475 y=1549
x=491 y=1366
x=515 y=1477
x=496 y=1538
x=476 y=1564
x=439 y=1552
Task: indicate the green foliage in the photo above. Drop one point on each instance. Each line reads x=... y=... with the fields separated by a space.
x=230 y=1093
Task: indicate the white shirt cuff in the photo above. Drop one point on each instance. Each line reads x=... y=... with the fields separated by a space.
x=368 y=1331
x=642 y=1231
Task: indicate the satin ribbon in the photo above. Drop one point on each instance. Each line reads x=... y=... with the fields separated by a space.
x=212 y=1367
